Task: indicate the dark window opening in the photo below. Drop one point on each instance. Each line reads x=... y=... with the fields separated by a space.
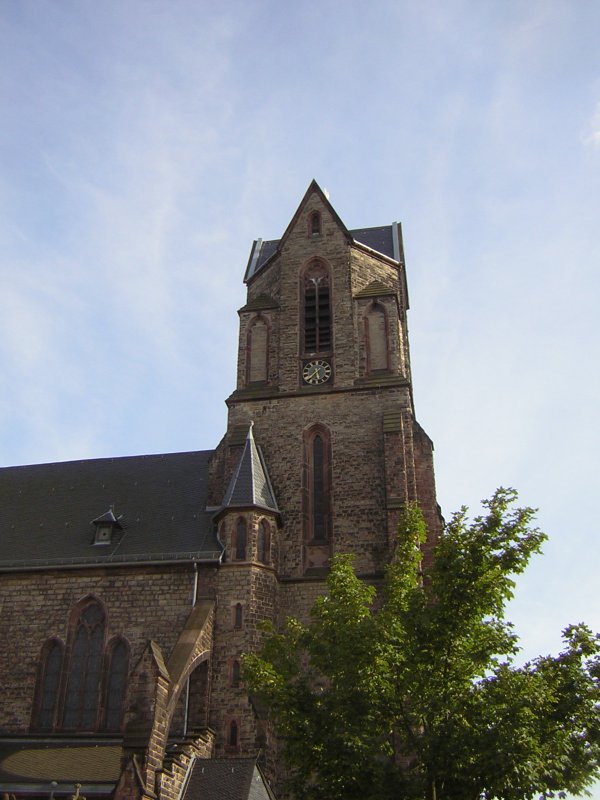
x=52 y=666
x=232 y=739
x=235 y=674
x=318 y=489
x=116 y=686
x=315 y=224
x=240 y=541
x=238 y=615
x=262 y=545
x=316 y=482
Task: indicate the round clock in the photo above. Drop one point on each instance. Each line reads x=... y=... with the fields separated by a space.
x=316 y=372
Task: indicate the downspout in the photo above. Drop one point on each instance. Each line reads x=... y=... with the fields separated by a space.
x=187 y=686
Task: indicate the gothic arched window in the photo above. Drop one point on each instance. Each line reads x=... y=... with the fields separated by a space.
x=233 y=735
x=85 y=668
x=317 y=485
x=48 y=685
x=377 y=339
x=236 y=674
x=314 y=226
x=263 y=544
x=257 y=349
x=241 y=538
x=238 y=615
x=117 y=664
x=85 y=690
x=316 y=304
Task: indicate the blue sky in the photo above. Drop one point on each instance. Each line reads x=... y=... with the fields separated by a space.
x=144 y=145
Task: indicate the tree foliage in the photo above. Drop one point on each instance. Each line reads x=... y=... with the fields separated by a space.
x=412 y=691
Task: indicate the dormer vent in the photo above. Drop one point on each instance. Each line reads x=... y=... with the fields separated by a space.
x=105 y=526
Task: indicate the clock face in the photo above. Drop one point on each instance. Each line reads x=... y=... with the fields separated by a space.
x=316 y=372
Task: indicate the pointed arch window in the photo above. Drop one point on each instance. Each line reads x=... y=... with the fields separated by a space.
x=317 y=485
x=257 y=351
x=376 y=338
x=241 y=539
x=263 y=543
x=85 y=669
x=75 y=684
x=316 y=308
x=236 y=674
x=238 y=616
x=117 y=664
x=314 y=225
x=233 y=735
x=51 y=662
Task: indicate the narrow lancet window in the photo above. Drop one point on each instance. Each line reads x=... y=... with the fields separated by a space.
x=317 y=486
x=240 y=540
x=48 y=686
x=116 y=685
x=315 y=224
x=263 y=543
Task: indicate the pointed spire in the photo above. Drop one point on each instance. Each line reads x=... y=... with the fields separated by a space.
x=250 y=484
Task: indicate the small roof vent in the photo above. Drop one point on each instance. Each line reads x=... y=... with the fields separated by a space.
x=105 y=526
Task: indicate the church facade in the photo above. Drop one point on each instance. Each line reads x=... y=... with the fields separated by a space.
x=131 y=587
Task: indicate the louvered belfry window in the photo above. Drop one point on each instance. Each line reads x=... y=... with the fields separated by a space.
x=317 y=309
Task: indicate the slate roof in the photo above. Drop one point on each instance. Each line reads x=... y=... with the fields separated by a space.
x=46 y=511
x=250 y=484
x=226 y=779
x=380 y=239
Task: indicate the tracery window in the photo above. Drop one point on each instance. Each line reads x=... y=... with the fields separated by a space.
x=317 y=484
x=75 y=684
x=85 y=670
x=317 y=308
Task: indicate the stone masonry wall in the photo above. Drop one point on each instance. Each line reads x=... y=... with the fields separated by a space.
x=141 y=603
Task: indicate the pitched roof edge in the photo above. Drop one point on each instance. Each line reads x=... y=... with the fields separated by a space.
x=314 y=187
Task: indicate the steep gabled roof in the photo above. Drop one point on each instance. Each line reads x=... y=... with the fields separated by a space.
x=385 y=240
x=250 y=485
x=159 y=500
x=226 y=779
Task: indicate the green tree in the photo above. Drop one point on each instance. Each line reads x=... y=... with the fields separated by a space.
x=412 y=691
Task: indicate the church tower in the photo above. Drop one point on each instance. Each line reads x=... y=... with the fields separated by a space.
x=322 y=447
x=154 y=572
